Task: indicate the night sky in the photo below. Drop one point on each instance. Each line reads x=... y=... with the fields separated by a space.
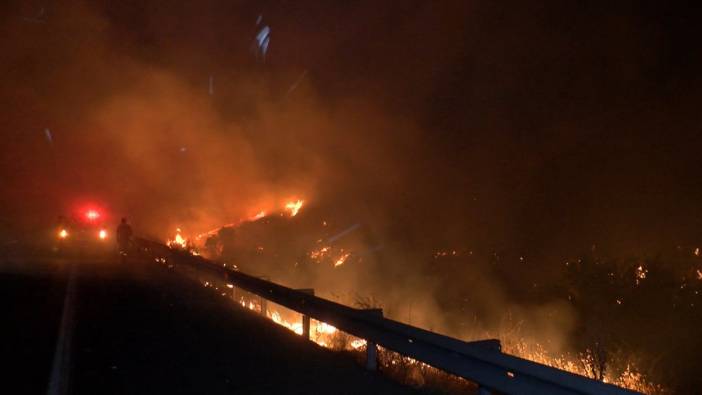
x=543 y=128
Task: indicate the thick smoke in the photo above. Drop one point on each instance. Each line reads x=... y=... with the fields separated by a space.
x=472 y=124
x=520 y=135
x=136 y=128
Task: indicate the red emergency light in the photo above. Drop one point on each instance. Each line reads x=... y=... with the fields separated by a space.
x=92 y=215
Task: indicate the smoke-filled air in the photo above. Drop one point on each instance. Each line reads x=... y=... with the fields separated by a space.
x=482 y=170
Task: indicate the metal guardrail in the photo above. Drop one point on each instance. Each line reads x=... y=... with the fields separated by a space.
x=481 y=362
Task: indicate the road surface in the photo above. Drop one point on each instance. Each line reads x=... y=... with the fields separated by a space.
x=93 y=326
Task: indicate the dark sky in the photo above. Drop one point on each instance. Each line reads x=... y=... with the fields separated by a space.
x=542 y=127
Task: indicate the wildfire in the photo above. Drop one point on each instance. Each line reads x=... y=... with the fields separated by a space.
x=323 y=334
x=320 y=253
x=328 y=336
x=641 y=273
x=323 y=327
x=358 y=343
x=294 y=207
x=178 y=241
x=439 y=254
x=295 y=327
x=341 y=259
x=580 y=364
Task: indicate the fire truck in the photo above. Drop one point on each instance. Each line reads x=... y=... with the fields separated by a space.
x=84 y=231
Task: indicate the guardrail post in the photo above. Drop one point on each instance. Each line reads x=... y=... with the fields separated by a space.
x=264 y=301
x=306 y=327
x=371 y=356
x=264 y=306
x=306 y=318
x=371 y=347
x=227 y=283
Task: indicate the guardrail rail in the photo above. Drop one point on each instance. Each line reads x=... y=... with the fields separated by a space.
x=481 y=362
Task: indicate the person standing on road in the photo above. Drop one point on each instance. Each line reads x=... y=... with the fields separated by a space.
x=124 y=236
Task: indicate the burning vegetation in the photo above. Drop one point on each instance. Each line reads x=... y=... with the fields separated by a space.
x=292 y=207
x=460 y=172
x=178 y=240
x=583 y=324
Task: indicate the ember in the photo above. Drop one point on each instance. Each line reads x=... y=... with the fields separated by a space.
x=340 y=261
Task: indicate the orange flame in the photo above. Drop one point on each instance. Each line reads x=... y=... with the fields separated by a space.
x=178 y=240
x=341 y=259
x=294 y=207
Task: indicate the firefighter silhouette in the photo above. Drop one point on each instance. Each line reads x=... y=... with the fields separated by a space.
x=124 y=236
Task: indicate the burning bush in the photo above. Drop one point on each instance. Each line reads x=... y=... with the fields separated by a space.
x=594 y=321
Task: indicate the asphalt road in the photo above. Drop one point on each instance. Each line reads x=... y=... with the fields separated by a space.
x=142 y=329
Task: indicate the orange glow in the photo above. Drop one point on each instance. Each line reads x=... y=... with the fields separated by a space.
x=341 y=259
x=178 y=241
x=295 y=327
x=102 y=234
x=260 y=215
x=63 y=233
x=325 y=328
x=358 y=343
x=320 y=253
x=294 y=207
